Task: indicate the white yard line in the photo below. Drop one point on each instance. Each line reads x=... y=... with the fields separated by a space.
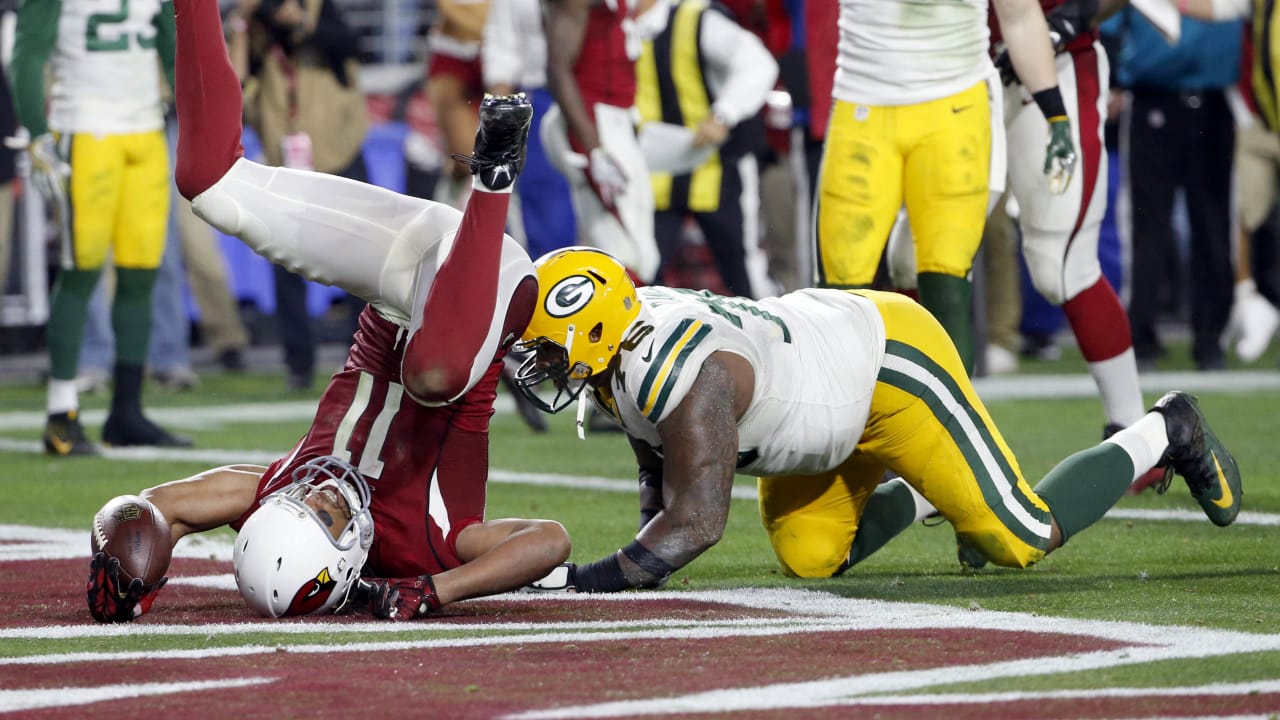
x=809 y=612
x=18 y=700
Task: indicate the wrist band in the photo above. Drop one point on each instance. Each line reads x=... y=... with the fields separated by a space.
x=648 y=562
x=1050 y=103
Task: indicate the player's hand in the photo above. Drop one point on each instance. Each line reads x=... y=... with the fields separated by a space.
x=1004 y=63
x=49 y=170
x=1059 y=156
x=401 y=598
x=710 y=132
x=108 y=601
x=607 y=175
x=560 y=579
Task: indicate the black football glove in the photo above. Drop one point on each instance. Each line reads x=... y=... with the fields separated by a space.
x=108 y=603
x=401 y=598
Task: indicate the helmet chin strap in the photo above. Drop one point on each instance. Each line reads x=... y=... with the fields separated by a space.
x=582 y=413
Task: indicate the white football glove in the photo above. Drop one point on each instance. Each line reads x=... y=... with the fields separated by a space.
x=609 y=177
x=50 y=171
x=560 y=579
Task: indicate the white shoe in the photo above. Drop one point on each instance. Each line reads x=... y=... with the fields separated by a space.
x=1253 y=322
x=1001 y=361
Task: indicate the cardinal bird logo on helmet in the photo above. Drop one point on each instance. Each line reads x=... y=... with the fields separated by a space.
x=313 y=594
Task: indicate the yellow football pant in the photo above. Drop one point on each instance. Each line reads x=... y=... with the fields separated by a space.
x=928 y=426
x=935 y=156
x=119 y=197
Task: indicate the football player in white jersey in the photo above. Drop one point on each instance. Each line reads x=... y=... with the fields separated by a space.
x=99 y=157
x=915 y=95
x=818 y=393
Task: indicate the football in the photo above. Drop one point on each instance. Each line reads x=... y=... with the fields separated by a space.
x=133 y=530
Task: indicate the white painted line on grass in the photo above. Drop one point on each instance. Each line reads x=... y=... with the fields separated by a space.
x=19 y=700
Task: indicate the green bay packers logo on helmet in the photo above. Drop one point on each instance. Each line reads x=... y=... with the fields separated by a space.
x=569 y=296
x=576 y=330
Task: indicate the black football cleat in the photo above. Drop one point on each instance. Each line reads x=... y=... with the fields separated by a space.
x=64 y=435
x=1197 y=455
x=501 y=140
x=127 y=429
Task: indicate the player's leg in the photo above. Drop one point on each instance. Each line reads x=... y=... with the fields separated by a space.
x=502 y=555
x=1060 y=234
x=140 y=223
x=928 y=425
x=97 y=164
x=948 y=174
x=207 y=96
x=858 y=196
x=468 y=306
x=812 y=520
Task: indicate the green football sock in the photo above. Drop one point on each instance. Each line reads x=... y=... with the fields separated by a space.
x=890 y=510
x=131 y=314
x=68 y=306
x=950 y=299
x=1083 y=487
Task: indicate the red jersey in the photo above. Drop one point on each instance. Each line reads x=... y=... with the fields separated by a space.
x=1079 y=42
x=426 y=466
x=604 y=71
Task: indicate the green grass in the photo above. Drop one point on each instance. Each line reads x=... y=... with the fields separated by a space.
x=1164 y=572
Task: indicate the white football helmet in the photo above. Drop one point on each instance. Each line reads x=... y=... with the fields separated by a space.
x=287 y=562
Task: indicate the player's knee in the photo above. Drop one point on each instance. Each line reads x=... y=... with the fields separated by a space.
x=1046 y=275
x=809 y=547
x=556 y=545
x=435 y=383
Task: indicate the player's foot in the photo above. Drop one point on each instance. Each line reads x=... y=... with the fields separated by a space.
x=1156 y=477
x=500 y=140
x=64 y=435
x=970 y=557
x=1197 y=455
x=133 y=428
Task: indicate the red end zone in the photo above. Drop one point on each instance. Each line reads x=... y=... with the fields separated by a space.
x=646 y=648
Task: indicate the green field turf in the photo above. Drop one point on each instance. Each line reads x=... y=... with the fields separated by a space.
x=1146 y=570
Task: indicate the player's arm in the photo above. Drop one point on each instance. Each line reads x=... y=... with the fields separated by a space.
x=650 y=476
x=748 y=73
x=35 y=36
x=201 y=502
x=206 y=500
x=1026 y=34
x=166 y=39
x=700 y=451
x=566 y=29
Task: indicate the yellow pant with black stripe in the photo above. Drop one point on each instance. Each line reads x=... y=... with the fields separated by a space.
x=935 y=156
x=928 y=426
x=119 y=200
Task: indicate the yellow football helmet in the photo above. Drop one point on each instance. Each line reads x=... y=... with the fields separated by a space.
x=586 y=301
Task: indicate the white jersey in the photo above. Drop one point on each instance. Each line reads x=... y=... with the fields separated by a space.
x=816 y=355
x=901 y=52
x=106 y=73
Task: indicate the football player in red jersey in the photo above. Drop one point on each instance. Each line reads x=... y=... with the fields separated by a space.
x=389 y=482
x=1060 y=230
